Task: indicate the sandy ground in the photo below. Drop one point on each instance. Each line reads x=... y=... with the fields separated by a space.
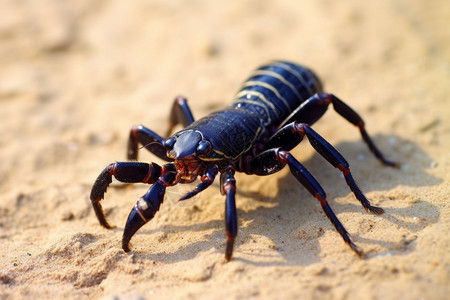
x=76 y=75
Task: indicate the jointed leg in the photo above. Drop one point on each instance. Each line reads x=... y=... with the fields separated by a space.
x=180 y=114
x=312 y=109
x=350 y=115
x=207 y=180
x=228 y=184
x=153 y=142
x=338 y=161
x=274 y=160
x=149 y=139
x=130 y=172
x=311 y=184
x=295 y=132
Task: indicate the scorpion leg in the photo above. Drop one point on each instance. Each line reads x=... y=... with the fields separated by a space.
x=145 y=208
x=130 y=172
x=338 y=161
x=151 y=141
x=180 y=113
x=293 y=133
x=139 y=134
x=273 y=160
x=207 y=180
x=228 y=187
x=286 y=138
x=350 y=115
x=313 y=108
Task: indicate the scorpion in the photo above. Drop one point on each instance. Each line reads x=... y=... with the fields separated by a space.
x=269 y=116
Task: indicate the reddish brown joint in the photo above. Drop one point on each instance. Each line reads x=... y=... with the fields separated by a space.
x=112 y=168
x=134 y=130
x=164 y=182
x=180 y=99
x=343 y=169
x=327 y=99
x=228 y=186
x=300 y=128
x=282 y=154
x=229 y=247
x=148 y=177
x=322 y=201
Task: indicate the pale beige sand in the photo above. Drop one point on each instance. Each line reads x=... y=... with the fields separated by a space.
x=75 y=76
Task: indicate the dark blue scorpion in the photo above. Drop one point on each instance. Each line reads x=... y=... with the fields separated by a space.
x=269 y=116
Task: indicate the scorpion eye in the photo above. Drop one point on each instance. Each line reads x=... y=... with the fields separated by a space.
x=204 y=147
x=169 y=143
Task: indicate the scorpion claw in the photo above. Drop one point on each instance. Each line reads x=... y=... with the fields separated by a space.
x=101 y=214
x=134 y=222
x=98 y=192
x=145 y=209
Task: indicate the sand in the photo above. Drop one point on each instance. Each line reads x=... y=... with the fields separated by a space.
x=76 y=75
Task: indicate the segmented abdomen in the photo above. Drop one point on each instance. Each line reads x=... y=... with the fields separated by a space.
x=273 y=91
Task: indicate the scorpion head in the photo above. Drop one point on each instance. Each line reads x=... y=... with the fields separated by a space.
x=188 y=148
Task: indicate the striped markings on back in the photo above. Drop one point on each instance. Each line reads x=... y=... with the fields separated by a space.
x=295 y=73
x=252 y=83
x=277 y=76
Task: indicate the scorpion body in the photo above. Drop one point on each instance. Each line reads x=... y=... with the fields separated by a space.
x=265 y=100
x=268 y=117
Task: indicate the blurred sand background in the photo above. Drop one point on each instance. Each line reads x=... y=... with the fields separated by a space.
x=76 y=75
